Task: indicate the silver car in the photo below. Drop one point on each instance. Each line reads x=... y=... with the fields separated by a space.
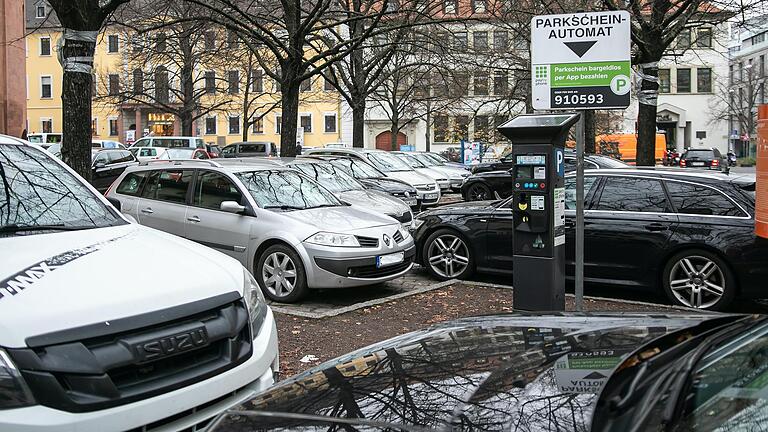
x=439 y=177
x=292 y=233
x=353 y=192
x=393 y=167
x=456 y=174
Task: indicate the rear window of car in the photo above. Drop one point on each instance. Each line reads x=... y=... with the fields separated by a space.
x=131 y=184
x=253 y=148
x=706 y=154
x=689 y=198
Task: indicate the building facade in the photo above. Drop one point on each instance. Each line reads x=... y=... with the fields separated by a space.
x=13 y=102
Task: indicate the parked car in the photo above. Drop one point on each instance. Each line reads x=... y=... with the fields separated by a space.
x=89 y=343
x=373 y=179
x=452 y=154
x=170 y=142
x=45 y=139
x=249 y=149
x=532 y=372
x=143 y=154
x=428 y=191
x=444 y=160
x=438 y=176
x=502 y=164
x=703 y=158
x=107 y=165
x=455 y=174
x=213 y=150
x=183 y=153
x=293 y=233
x=690 y=235
x=106 y=144
x=349 y=190
x=54 y=149
x=499 y=184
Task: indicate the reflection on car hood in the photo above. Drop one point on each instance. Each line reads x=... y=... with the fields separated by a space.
x=376 y=201
x=496 y=173
x=340 y=219
x=508 y=372
x=411 y=177
x=387 y=185
x=461 y=208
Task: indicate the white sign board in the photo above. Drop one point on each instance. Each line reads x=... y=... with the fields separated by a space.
x=581 y=60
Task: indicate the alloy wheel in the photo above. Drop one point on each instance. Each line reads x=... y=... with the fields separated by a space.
x=697 y=282
x=479 y=193
x=279 y=274
x=448 y=256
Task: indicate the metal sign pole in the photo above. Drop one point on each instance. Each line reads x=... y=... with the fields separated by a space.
x=579 y=282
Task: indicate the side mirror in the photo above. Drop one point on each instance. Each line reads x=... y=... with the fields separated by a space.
x=231 y=207
x=115 y=203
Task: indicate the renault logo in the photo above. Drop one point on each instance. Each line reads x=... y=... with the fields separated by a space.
x=407 y=194
x=387 y=240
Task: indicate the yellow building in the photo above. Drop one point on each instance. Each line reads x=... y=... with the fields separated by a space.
x=319 y=108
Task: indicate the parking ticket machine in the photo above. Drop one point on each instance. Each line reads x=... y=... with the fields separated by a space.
x=538 y=207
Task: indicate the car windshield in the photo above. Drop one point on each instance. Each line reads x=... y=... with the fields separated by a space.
x=388 y=162
x=428 y=159
x=707 y=154
x=178 y=153
x=357 y=168
x=286 y=190
x=331 y=177
x=411 y=161
x=607 y=162
x=37 y=139
x=37 y=191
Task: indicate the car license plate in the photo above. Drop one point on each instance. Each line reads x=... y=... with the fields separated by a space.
x=386 y=260
x=410 y=201
x=430 y=196
x=697 y=163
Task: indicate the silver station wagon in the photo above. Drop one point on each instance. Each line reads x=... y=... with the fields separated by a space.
x=292 y=233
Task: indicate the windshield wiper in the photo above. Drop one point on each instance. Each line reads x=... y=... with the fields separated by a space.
x=284 y=207
x=327 y=205
x=15 y=228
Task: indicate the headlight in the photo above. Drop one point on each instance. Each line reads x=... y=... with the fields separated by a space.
x=14 y=392
x=254 y=300
x=332 y=239
x=417 y=223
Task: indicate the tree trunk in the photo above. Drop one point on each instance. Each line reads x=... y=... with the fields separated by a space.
x=427 y=137
x=358 y=125
x=393 y=131
x=589 y=132
x=646 y=118
x=187 y=123
x=290 y=118
x=189 y=103
x=76 y=108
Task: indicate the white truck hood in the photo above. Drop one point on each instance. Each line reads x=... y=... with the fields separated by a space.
x=56 y=281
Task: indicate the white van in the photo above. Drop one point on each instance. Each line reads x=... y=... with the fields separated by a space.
x=169 y=142
x=45 y=139
x=91 y=339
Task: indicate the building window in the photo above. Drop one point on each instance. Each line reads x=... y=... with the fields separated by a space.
x=113 y=127
x=46 y=124
x=278 y=123
x=481 y=83
x=450 y=6
x=234 y=125
x=40 y=11
x=704 y=80
x=257 y=81
x=258 y=126
x=276 y=86
x=306 y=85
x=161 y=42
x=210 y=82
x=113 y=44
x=114 y=84
x=664 y=81
x=480 y=41
x=328 y=85
x=461 y=83
x=233 y=80
x=478 y=6
x=330 y=123
x=210 y=41
x=210 y=125
x=161 y=84
x=46 y=87
x=441 y=128
x=481 y=128
x=730 y=74
x=95 y=126
x=305 y=121
x=462 y=126
x=45 y=46
x=500 y=41
x=461 y=41
x=232 y=40
x=684 y=39
x=704 y=38
x=684 y=80
x=761 y=66
x=500 y=83
x=138 y=81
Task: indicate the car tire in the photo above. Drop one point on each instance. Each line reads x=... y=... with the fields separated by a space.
x=280 y=274
x=479 y=192
x=448 y=255
x=699 y=279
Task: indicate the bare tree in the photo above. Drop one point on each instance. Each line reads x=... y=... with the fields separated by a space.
x=257 y=102
x=738 y=100
x=81 y=21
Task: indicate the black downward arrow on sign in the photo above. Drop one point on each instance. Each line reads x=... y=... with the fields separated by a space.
x=580 y=48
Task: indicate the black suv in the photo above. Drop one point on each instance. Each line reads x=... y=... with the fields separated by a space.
x=702 y=158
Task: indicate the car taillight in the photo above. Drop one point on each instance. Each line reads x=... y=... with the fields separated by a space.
x=715 y=162
x=682 y=162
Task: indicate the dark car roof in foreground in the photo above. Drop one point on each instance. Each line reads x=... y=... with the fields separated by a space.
x=676 y=173
x=503 y=372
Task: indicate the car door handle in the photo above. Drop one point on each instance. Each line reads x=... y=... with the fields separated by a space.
x=656 y=227
x=570 y=223
x=193 y=219
x=147 y=210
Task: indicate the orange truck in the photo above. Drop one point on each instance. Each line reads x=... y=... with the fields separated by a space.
x=624 y=146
